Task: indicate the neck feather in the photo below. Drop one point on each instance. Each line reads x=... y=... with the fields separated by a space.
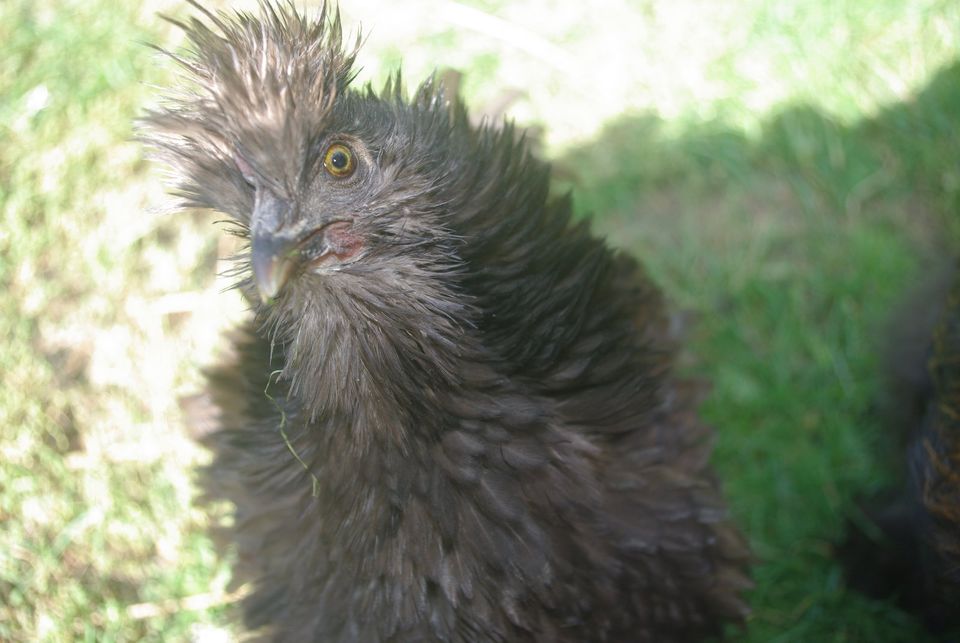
x=375 y=352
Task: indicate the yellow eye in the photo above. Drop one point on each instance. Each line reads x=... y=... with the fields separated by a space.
x=338 y=161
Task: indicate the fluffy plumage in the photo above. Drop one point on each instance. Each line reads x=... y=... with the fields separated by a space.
x=910 y=547
x=453 y=415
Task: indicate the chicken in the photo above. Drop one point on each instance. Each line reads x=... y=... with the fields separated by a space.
x=908 y=547
x=453 y=413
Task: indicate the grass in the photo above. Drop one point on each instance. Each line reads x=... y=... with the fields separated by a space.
x=784 y=169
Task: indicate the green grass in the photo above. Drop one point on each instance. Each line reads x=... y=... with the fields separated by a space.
x=785 y=170
x=792 y=246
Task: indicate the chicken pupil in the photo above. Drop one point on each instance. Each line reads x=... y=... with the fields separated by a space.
x=338 y=160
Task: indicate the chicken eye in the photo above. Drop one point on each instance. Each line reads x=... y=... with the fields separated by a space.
x=338 y=161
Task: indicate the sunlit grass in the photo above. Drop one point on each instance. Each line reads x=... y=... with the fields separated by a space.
x=686 y=61
x=784 y=169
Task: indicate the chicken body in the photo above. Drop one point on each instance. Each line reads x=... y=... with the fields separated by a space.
x=911 y=548
x=453 y=414
x=934 y=460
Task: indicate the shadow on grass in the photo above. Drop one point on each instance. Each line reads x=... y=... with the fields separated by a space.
x=793 y=246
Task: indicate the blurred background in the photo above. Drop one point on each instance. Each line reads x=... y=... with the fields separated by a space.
x=786 y=170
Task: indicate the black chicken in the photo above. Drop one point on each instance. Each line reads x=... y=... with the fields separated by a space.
x=908 y=546
x=453 y=416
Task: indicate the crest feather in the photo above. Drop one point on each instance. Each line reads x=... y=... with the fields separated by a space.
x=269 y=81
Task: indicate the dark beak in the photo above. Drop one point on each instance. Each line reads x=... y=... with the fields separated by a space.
x=274 y=252
x=274 y=259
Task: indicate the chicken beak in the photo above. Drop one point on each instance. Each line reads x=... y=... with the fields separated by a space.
x=273 y=254
x=273 y=258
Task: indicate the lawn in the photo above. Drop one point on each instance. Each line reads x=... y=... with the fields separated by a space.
x=786 y=170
